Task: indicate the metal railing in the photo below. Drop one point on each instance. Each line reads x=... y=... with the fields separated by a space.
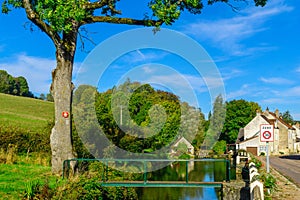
x=146 y=182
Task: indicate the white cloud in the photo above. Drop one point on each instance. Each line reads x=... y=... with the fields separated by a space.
x=243 y=91
x=275 y=100
x=292 y=92
x=229 y=33
x=36 y=70
x=276 y=80
x=142 y=56
x=298 y=69
x=148 y=69
x=230 y=73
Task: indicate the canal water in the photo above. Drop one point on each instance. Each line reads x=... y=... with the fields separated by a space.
x=204 y=171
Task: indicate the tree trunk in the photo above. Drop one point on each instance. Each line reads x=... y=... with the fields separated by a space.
x=61 y=89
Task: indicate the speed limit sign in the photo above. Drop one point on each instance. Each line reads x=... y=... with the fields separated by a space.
x=266 y=133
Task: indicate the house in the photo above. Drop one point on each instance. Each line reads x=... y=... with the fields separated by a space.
x=190 y=148
x=297 y=143
x=285 y=135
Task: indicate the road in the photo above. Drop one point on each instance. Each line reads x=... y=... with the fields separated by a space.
x=289 y=166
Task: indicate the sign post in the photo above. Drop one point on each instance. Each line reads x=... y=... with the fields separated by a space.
x=267 y=135
x=268 y=159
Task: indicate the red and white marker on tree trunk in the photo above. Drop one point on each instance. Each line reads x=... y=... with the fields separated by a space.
x=65 y=114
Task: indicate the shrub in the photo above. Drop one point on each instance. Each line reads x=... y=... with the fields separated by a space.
x=11 y=155
x=25 y=140
x=220 y=147
x=86 y=187
x=36 y=190
x=257 y=162
x=269 y=182
x=262 y=153
x=184 y=156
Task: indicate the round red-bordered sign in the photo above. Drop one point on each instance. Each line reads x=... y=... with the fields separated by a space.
x=65 y=114
x=267 y=135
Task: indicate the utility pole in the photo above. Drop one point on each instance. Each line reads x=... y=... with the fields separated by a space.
x=121 y=115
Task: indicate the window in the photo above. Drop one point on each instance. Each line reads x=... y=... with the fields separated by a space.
x=262 y=148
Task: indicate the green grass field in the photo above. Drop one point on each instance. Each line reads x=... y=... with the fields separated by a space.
x=31 y=116
x=13 y=179
x=25 y=113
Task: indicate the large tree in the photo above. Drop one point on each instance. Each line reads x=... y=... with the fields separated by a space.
x=216 y=121
x=287 y=117
x=60 y=20
x=238 y=114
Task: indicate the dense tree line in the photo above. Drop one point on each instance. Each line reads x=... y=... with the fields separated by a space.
x=138 y=118
x=18 y=86
x=14 y=85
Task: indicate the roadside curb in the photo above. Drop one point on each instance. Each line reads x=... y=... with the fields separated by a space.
x=286 y=188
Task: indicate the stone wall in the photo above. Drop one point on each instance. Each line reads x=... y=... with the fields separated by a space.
x=236 y=190
x=247 y=188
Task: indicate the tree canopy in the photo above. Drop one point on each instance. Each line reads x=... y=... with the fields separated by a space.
x=14 y=85
x=153 y=114
x=59 y=16
x=287 y=117
x=238 y=114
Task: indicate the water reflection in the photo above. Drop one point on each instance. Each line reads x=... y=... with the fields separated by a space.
x=207 y=171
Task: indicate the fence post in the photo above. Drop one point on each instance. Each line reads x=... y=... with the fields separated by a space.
x=186 y=171
x=65 y=171
x=145 y=172
x=63 y=168
x=227 y=170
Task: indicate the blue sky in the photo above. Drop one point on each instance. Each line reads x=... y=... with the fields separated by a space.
x=255 y=49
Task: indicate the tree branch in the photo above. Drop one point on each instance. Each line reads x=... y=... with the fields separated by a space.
x=34 y=17
x=95 y=5
x=83 y=37
x=117 y=20
x=102 y=4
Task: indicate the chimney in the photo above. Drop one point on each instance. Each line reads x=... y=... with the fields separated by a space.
x=277 y=113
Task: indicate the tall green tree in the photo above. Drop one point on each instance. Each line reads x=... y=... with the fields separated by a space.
x=49 y=97
x=238 y=114
x=287 y=117
x=7 y=82
x=22 y=85
x=61 y=21
x=216 y=122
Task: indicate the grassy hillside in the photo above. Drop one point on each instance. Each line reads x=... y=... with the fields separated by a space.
x=26 y=113
x=24 y=127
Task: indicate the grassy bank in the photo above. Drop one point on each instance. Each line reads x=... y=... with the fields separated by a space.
x=25 y=125
x=14 y=178
x=25 y=113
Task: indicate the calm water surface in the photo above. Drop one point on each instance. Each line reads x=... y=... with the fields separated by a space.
x=207 y=171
